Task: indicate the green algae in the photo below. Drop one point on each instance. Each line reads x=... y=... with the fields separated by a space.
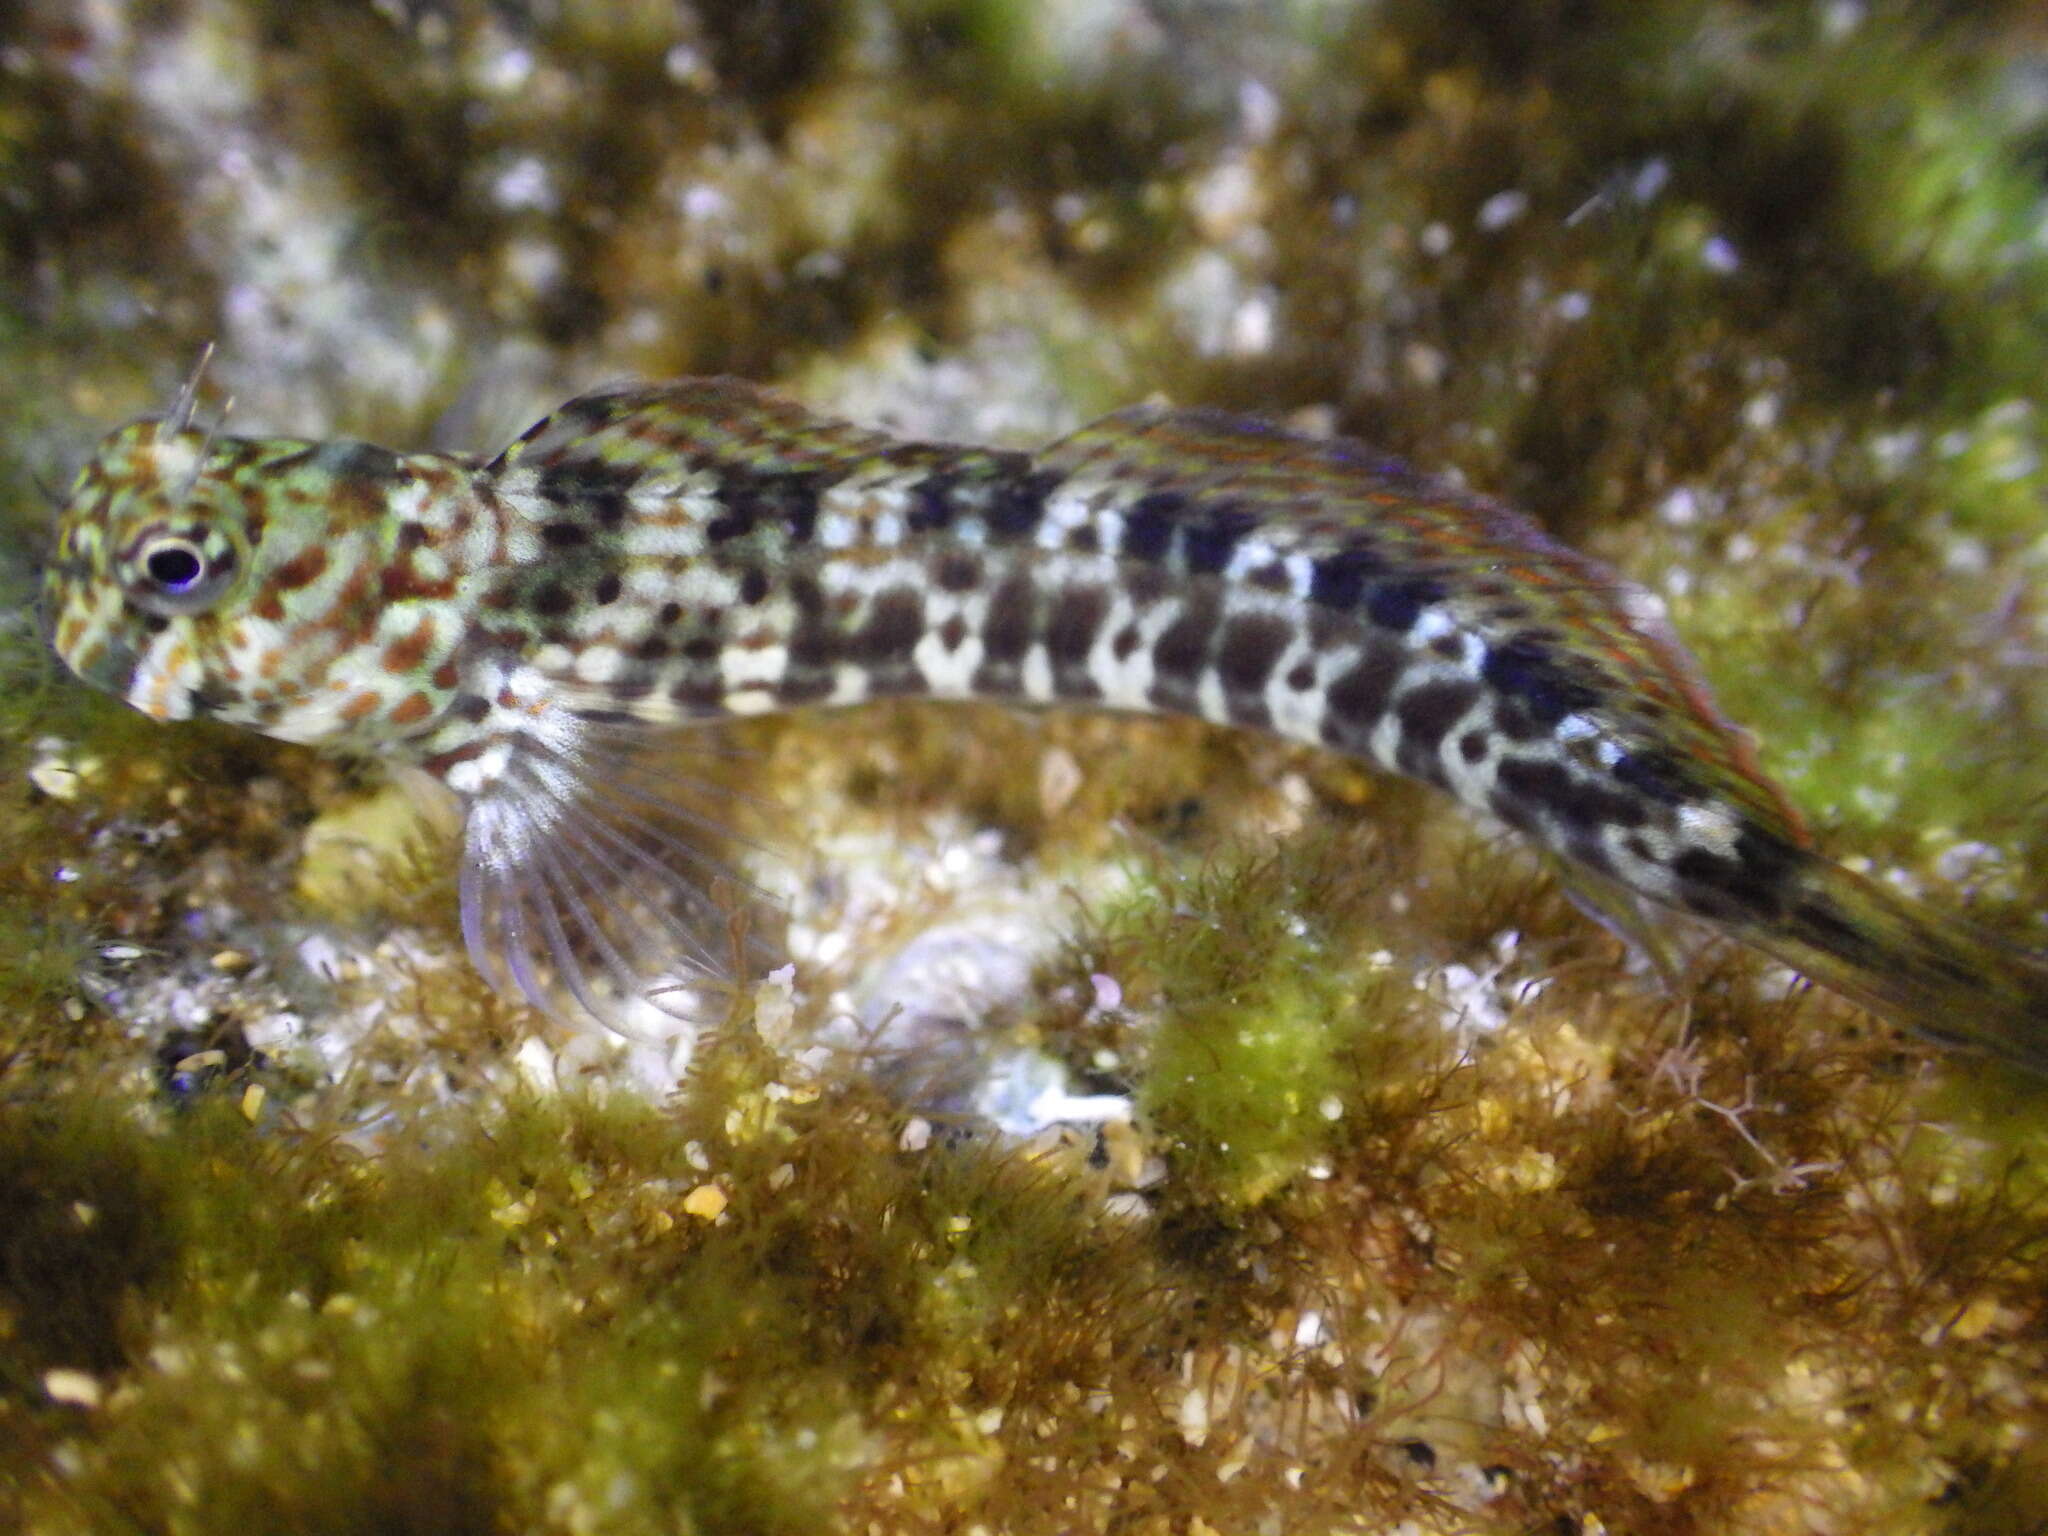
x=1577 y=1276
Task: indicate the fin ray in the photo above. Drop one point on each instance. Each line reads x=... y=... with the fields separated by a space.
x=585 y=889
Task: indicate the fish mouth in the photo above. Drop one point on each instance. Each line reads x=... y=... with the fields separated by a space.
x=96 y=650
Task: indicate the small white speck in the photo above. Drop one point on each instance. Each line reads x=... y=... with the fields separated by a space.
x=74 y=1389
x=1719 y=255
x=525 y=184
x=507 y=71
x=1502 y=209
x=534 y=265
x=1680 y=508
x=1258 y=111
x=686 y=66
x=1435 y=239
x=322 y=956
x=1841 y=17
x=1573 y=306
x=1252 y=325
x=703 y=202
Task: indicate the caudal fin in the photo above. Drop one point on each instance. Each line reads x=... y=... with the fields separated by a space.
x=1925 y=970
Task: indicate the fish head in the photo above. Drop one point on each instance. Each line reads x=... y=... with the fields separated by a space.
x=183 y=560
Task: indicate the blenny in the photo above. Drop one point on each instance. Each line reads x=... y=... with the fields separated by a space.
x=656 y=555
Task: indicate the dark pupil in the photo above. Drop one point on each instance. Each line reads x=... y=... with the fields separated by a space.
x=174 y=568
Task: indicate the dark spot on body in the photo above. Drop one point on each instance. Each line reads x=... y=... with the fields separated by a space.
x=551 y=600
x=1577 y=802
x=958 y=571
x=1339 y=580
x=1182 y=652
x=1251 y=647
x=812 y=645
x=1396 y=605
x=1756 y=882
x=564 y=535
x=895 y=623
x=931 y=503
x=1148 y=525
x=732 y=523
x=803 y=685
x=302 y=570
x=1358 y=699
x=1211 y=539
x=1016 y=504
x=670 y=612
x=1076 y=619
x=1146 y=584
x=633 y=685
x=1302 y=676
x=1652 y=773
x=597 y=490
x=702 y=648
x=1427 y=713
x=1472 y=746
x=1530 y=671
x=607 y=590
x=784 y=498
x=806 y=594
x=753 y=585
x=1012 y=613
x=1271 y=577
x=409 y=652
x=700 y=693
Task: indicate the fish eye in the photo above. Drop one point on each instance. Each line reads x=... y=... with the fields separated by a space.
x=174 y=575
x=174 y=567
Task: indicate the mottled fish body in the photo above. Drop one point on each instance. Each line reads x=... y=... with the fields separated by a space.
x=652 y=556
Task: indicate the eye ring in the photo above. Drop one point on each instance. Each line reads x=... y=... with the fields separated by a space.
x=174 y=574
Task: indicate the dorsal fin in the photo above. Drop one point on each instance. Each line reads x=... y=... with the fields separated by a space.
x=654 y=426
